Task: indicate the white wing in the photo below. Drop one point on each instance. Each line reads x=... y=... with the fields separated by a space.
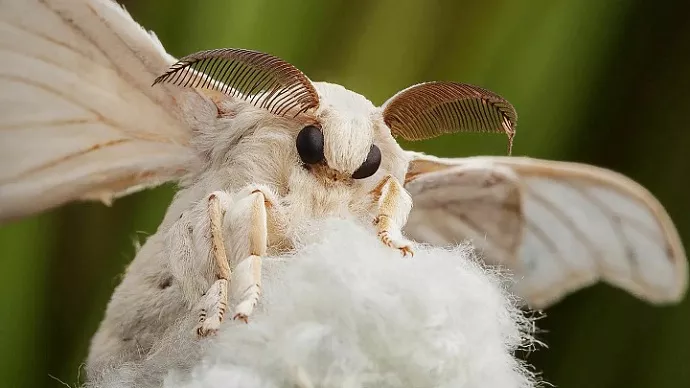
x=558 y=226
x=78 y=116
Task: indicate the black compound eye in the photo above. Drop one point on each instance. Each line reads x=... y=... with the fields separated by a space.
x=310 y=144
x=370 y=165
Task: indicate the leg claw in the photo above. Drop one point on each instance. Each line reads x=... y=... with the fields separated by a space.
x=401 y=244
x=214 y=306
x=407 y=250
x=242 y=317
x=245 y=308
x=208 y=327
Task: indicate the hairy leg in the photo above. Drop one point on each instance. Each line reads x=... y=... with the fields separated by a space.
x=248 y=280
x=215 y=300
x=393 y=205
x=248 y=205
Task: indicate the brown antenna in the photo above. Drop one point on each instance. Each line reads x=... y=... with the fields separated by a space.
x=432 y=109
x=261 y=79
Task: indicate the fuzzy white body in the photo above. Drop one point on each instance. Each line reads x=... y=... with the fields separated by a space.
x=244 y=148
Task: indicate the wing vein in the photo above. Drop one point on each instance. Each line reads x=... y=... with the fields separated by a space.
x=476 y=227
x=56 y=42
x=567 y=222
x=44 y=124
x=614 y=220
x=47 y=61
x=134 y=133
x=53 y=91
x=80 y=31
x=543 y=237
x=62 y=159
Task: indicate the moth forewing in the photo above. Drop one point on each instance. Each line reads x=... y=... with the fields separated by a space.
x=647 y=241
x=579 y=224
x=68 y=131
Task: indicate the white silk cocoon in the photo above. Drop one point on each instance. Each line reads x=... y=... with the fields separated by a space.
x=346 y=311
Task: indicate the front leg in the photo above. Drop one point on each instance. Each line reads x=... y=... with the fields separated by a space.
x=215 y=300
x=392 y=205
x=248 y=217
x=248 y=280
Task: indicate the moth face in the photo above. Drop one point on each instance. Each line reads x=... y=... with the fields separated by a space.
x=340 y=144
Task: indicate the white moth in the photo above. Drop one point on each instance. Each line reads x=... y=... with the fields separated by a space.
x=259 y=151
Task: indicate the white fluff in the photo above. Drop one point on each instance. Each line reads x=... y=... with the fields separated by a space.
x=347 y=311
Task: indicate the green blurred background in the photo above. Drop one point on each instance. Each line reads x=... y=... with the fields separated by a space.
x=602 y=82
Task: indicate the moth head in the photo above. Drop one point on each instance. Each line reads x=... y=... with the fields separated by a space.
x=350 y=135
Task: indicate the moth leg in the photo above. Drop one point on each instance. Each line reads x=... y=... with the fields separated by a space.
x=393 y=205
x=247 y=279
x=215 y=301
